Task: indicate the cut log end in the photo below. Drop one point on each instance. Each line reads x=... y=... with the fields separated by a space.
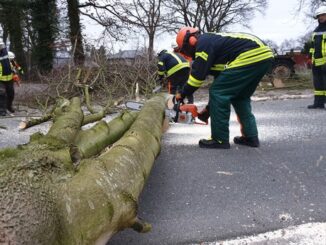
x=75 y=154
x=22 y=125
x=141 y=226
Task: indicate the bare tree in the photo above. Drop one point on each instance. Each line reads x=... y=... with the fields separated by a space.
x=272 y=44
x=214 y=15
x=311 y=4
x=105 y=14
x=136 y=16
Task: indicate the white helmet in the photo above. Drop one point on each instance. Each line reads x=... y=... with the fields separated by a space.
x=320 y=10
x=174 y=44
x=11 y=55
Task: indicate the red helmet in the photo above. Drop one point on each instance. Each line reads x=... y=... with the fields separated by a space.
x=186 y=35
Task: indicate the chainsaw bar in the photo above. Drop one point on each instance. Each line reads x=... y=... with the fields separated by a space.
x=133 y=105
x=174 y=116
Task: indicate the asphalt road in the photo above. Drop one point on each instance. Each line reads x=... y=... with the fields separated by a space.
x=198 y=195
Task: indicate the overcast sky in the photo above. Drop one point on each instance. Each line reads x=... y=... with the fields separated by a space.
x=281 y=21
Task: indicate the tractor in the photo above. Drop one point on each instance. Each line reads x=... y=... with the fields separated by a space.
x=285 y=65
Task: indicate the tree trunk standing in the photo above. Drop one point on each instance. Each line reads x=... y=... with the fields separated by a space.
x=44 y=23
x=75 y=32
x=151 y=46
x=43 y=200
x=13 y=26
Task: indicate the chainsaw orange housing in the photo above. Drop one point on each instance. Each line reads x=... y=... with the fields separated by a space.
x=16 y=78
x=189 y=108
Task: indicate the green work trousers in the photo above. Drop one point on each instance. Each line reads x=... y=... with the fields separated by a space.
x=235 y=86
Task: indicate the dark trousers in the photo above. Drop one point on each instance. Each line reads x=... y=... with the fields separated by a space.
x=319 y=81
x=177 y=80
x=7 y=95
x=235 y=86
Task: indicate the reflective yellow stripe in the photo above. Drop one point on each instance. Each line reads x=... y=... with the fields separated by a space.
x=319 y=61
x=202 y=55
x=181 y=64
x=253 y=52
x=195 y=82
x=160 y=73
x=175 y=56
x=263 y=52
x=243 y=36
x=320 y=92
x=177 y=68
x=250 y=59
x=160 y=63
x=5 y=78
x=218 y=67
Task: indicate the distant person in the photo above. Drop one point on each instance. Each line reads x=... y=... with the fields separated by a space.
x=239 y=61
x=176 y=69
x=6 y=79
x=17 y=72
x=318 y=56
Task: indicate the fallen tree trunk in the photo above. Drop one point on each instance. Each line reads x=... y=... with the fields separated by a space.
x=44 y=200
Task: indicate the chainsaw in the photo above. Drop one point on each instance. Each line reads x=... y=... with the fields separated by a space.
x=177 y=113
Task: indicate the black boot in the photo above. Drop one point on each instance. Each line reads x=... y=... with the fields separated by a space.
x=314 y=106
x=319 y=102
x=214 y=144
x=249 y=141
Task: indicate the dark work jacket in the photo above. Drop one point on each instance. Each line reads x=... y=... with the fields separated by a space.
x=5 y=64
x=171 y=62
x=319 y=45
x=216 y=52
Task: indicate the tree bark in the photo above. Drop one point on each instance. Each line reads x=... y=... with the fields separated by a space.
x=75 y=32
x=45 y=200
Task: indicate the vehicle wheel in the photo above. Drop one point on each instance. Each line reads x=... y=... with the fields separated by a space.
x=282 y=71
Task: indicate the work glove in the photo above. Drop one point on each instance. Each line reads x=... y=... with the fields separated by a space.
x=16 y=79
x=204 y=114
x=178 y=97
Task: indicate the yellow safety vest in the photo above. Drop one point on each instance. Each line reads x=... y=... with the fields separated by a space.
x=322 y=60
x=5 y=78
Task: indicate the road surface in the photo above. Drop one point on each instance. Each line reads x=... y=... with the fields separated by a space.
x=202 y=196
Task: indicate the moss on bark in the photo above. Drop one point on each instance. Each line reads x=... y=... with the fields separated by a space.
x=44 y=200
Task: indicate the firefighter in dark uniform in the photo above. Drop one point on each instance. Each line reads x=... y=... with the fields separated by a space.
x=241 y=61
x=6 y=76
x=318 y=57
x=176 y=69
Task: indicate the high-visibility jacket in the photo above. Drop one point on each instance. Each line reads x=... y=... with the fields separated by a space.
x=216 y=52
x=171 y=62
x=318 y=50
x=6 y=73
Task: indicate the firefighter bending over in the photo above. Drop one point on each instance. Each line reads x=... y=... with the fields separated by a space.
x=238 y=61
x=176 y=69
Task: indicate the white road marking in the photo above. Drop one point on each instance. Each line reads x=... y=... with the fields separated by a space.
x=310 y=233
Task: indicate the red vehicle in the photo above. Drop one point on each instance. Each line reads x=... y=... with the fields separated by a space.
x=286 y=64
